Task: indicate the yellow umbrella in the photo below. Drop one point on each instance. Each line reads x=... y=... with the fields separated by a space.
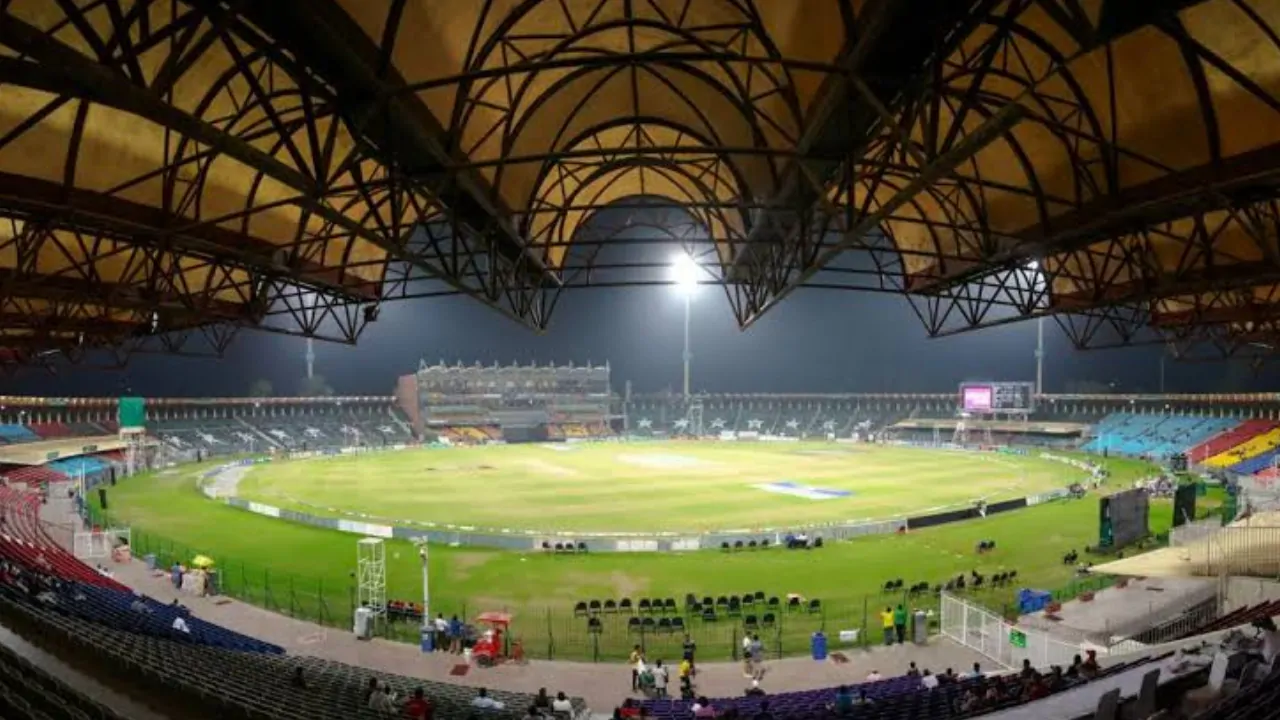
x=202 y=561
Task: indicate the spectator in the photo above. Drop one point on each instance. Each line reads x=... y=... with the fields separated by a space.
x=977 y=671
x=636 y=661
x=755 y=690
x=659 y=679
x=886 y=620
x=703 y=708
x=455 y=635
x=369 y=689
x=418 y=707
x=1027 y=671
x=948 y=677
x=764 y=713
x=1089 y=668
x=382 y=699
x=484 y=702
x=532 y=714
x=1037 y=688
x=181 y=625
x=757 y=656
x=561 y=704
x=442 y=633
x=689 y=650
x=929 y=680
x=912 y=670
x=1074 y=670
x=968 y=702
x=542 y=701
x=297 y=680
x=629 y=709
x=844 y=701
x=874 y=676
x=900 y=623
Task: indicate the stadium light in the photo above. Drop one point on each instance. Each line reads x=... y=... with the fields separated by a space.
x=685 y=272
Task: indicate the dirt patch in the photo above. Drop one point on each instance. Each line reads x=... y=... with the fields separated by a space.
x=461 y=564
x=578 y=586
x=662 y=461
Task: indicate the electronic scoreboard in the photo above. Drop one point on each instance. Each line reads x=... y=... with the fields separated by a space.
x=989 y=398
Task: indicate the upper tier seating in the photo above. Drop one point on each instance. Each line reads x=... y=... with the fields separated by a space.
x=1254 y=447
x=13 y=434
x=1224 y=441
x=1153 y=435
x=51 y=430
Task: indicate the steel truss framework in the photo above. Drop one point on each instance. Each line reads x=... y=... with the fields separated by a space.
x=175 y=171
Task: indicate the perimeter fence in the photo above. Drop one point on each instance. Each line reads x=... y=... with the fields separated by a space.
x=605 y=633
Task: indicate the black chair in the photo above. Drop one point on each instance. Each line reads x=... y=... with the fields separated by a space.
x=724 y=545
x=670 y=605
x=709 y=614
x=643 y=606
x=559 y=547
x=722 y=601
x=815 y=606
x=752 y=545
x=595 y=626
x=768 y=620
x=582 y=547
x=610 y=607
x=817 y=542
x=764 y=543
x=735 y=606
x=737 y=545
x=774 y=603
x=633 y=625
x=546 y=546
x=748 y=602
x=750 y=623
x=580 y=609
x=793 y=604
x=624 y=606
x=656 y=606
x=677 y=624
x=888 y=587
x=759 y=595
x=707 y=601
x=690 y=600
x=648 y=624
x=664 y=625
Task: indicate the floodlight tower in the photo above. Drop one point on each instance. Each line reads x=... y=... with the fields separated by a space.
x=685 y=272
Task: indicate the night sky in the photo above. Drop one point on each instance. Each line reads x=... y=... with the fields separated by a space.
x=816 y=341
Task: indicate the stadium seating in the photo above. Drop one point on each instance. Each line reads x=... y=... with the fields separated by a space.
x=1231 y=438
x=50 y=430
x=87 y=465
x=13 y=434
x=28 y=692
x=899 y=698
x=34 y=475
x=1255 y=446
x=1153 y=435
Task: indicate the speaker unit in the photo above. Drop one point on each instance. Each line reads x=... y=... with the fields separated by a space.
x=102 y=497
x=112 y=470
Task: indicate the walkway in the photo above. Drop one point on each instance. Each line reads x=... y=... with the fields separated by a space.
x=602 y=685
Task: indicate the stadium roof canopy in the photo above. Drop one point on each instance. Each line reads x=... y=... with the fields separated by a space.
x=172 y=171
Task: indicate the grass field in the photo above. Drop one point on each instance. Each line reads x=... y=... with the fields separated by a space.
x=670 y=486
x=307 y=571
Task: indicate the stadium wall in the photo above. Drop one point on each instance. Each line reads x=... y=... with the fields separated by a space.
x=526 y=540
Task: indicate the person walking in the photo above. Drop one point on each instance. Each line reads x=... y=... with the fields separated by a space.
x=886 y=620
x=636 y=661
x=900 y=623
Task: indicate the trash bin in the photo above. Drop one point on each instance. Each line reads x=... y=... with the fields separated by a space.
x=920 y=629
x=150 y=560
x=818 y=646
x=364 y=623
x=427 y=639
x=211 y=582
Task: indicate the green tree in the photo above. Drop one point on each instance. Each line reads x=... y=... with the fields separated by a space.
x=260 y=388
x=316 y=386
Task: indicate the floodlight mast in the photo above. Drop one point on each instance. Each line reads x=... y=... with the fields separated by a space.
x=685 y=269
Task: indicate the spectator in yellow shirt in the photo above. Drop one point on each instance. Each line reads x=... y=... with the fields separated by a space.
x=886 y=620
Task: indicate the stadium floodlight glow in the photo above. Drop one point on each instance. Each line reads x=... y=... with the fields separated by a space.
x=685 y=273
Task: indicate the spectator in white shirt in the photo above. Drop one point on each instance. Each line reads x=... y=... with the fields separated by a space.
x=874 y=676
x=484 y=702
x=561 y=704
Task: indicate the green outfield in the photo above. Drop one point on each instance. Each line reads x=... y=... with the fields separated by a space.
x=307 y=572
x=667 y=486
